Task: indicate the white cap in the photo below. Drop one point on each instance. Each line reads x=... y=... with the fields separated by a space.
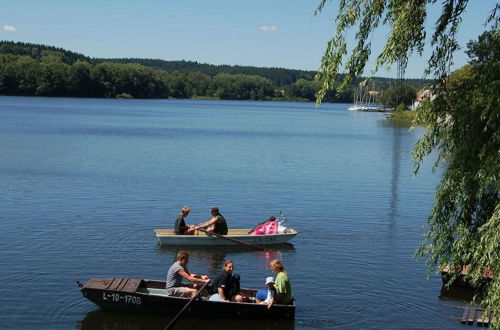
x=269 y=279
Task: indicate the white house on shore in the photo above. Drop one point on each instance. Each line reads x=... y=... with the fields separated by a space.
x=422 y=95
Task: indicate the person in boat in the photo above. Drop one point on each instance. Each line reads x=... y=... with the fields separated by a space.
x=217 y=224
x=267 y=296
x=180 y=223
x=282 y=284
x=226 y=286
x=177 y=272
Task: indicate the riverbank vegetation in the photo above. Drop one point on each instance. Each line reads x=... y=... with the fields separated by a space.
x=38 y=70
x=462 y=120
x=404 y=117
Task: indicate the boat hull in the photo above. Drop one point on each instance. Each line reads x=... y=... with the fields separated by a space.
x=166 y=237
x=139 y=300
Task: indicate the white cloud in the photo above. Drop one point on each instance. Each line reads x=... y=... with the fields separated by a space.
x=271 y=28
x=9 y=28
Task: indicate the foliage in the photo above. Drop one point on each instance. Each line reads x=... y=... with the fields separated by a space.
x=33 y=69
x=463 y=124
x=407 y=36
x=38 y=52
x=391 y=95
x=404 y=118
x=242 y=87
x=400 y=108
x=303 y=89
x=279 y=76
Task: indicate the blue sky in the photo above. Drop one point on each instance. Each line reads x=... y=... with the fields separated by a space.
x=269 y=33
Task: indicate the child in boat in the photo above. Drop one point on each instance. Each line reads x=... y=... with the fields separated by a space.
x=268 y=295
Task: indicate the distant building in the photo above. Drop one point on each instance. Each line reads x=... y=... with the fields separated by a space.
x=279 y=92
x=422 y=95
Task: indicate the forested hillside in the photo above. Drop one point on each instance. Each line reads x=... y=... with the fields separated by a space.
x=37 y=52
x=278 y=76
x=33 y=69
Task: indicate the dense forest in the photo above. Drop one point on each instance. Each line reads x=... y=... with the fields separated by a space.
x=38 y=70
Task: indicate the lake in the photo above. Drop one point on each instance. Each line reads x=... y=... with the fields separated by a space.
x=85 y=181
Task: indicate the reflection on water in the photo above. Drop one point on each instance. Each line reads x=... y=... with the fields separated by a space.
x=216 y=255
x=107 y=320
x=85 y=181
x=396 y=166
x=457 y=293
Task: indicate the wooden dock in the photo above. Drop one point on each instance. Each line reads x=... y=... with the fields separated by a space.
x=472 y=314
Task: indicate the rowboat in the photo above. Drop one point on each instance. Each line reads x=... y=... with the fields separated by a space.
x=149 y=297
x=168 y=237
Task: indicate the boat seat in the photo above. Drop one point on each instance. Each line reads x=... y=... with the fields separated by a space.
x=156 y=292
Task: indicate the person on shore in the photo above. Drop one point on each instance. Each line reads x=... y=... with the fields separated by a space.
x=176 y=272
x=180 y=224
x=226 y=286
x=217 y=224
x=266 y=296
x=282 y=284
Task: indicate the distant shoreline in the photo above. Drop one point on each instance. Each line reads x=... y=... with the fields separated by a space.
x=195 y=98
x=40 y=70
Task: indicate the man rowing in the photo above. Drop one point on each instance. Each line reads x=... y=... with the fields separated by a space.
x=177 y=272
x=217 y=224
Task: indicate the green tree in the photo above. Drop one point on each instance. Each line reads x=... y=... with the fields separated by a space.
x=24 y=75
x=8 y=79
x=463 y=125
x=104 y=76
x=303 y=89
x=179 y=86
x=242 y=87
x=53 y=77
x=391 y=97
x=80 y=82
x=202 y=83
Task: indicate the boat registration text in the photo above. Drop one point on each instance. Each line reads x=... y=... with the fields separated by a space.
x=126 y=298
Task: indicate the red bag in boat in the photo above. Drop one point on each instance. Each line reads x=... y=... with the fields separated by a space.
x=267 y=228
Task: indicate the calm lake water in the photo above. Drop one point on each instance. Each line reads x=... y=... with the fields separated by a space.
x=83 y=183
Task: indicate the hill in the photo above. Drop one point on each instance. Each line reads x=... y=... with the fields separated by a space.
x=279 y=76
x=35 y=69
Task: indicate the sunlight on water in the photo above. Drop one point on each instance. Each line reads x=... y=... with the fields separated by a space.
x=84 y=182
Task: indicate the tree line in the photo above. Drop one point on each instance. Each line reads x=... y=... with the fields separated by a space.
x=38 y=70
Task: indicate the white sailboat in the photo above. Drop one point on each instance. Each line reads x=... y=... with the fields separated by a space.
x=365 y=100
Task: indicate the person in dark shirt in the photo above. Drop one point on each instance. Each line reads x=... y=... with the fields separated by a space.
x=216 y=224
x=226 y=286
x=180 y=224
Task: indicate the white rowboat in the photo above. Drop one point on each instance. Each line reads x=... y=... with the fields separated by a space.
x=168 y=237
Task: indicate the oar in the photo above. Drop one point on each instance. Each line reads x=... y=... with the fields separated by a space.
x=171 y=324
x=232 y=239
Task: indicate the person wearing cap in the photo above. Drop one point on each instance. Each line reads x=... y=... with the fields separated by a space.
x=226 y=286
x=282 y=284
x=217 y=224
x=177 y=272
x=267 y=296
x=180 y=224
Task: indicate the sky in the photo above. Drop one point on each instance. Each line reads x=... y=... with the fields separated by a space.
x=264 y=33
